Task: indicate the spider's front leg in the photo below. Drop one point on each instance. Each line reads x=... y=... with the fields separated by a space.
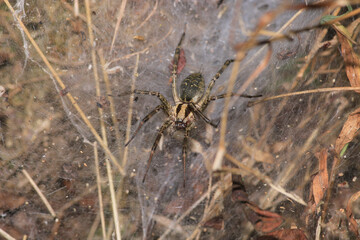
x=158 y=137
x=175 y=68
x=202 y=116
x=157 y=94
x=205 y=99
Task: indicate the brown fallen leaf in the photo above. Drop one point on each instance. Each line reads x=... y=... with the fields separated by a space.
x=352 y=61
x=321 y=180
x=264 y=221
x=10 y=201
x=215 y=223
x=353 y=226
x=288 y=234
x=349 y=130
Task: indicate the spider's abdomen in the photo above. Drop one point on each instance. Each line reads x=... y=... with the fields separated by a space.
x=192 y=88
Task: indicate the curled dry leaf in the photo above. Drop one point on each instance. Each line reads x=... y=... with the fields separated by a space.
x=353 y=226
x=215 y=223
x=288 y=234
x=349 y=130
x=321 y=180
x=352 y=61
x=264 y=221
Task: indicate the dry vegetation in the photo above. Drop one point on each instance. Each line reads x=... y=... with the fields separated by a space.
x=287 y=170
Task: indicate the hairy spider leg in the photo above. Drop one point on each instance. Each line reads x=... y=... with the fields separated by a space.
x=204 y=99
x=144 y=120
x=214 y=98
x=201 y=115
x=175 y=68
x=184 y=152
x=157 y=94
x=161 y=130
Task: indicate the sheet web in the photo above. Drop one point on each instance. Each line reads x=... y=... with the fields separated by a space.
x=44 y=133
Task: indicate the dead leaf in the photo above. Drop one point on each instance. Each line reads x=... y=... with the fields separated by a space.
x=181 y=64
x=351 y=59
x=264 y=221
x=353 y=226
x=215 y=223
x=267 y=221
x=321 y=180
x=9 y=201
x=288 y=234
x=349 y=130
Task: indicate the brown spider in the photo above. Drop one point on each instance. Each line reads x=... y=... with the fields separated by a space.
x=192 y=102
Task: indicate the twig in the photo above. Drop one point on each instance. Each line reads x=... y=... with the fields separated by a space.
x=149 y=16
x=82 y=17
x=131 y=103
x=99 y=181
x=139 y=52
x=38 y=191
x=120 y=16
x=6 y=235
x=187 y=212
x=113 y=201
x=319 y=90
x=112 y=103
x=103 y=130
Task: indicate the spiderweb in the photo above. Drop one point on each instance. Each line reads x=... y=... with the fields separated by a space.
x=43 y=132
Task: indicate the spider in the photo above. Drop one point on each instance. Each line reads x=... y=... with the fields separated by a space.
x=191 y=103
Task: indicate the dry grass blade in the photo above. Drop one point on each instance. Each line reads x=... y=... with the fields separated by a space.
x=120 y=16
x=69 y=96
x=262 y=177
x=38 y=191
x=6 y=235
x=111 y=101
x=99 y=182
x=189 y=210
x=319 y=90
x=103 y=130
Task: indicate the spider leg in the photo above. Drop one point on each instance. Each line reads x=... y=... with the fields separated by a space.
x=163 y=127
x=184 y=152
x=214 y=98
x=175 y=68
x=144 y=120
x=202 y=116
x=157 y=94
x=212 y=82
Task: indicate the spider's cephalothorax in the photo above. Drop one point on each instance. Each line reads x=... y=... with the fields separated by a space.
x=192 y=101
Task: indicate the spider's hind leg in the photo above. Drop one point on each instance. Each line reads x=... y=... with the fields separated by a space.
x=144 y=120
x=162 y=129
x=184 y=153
